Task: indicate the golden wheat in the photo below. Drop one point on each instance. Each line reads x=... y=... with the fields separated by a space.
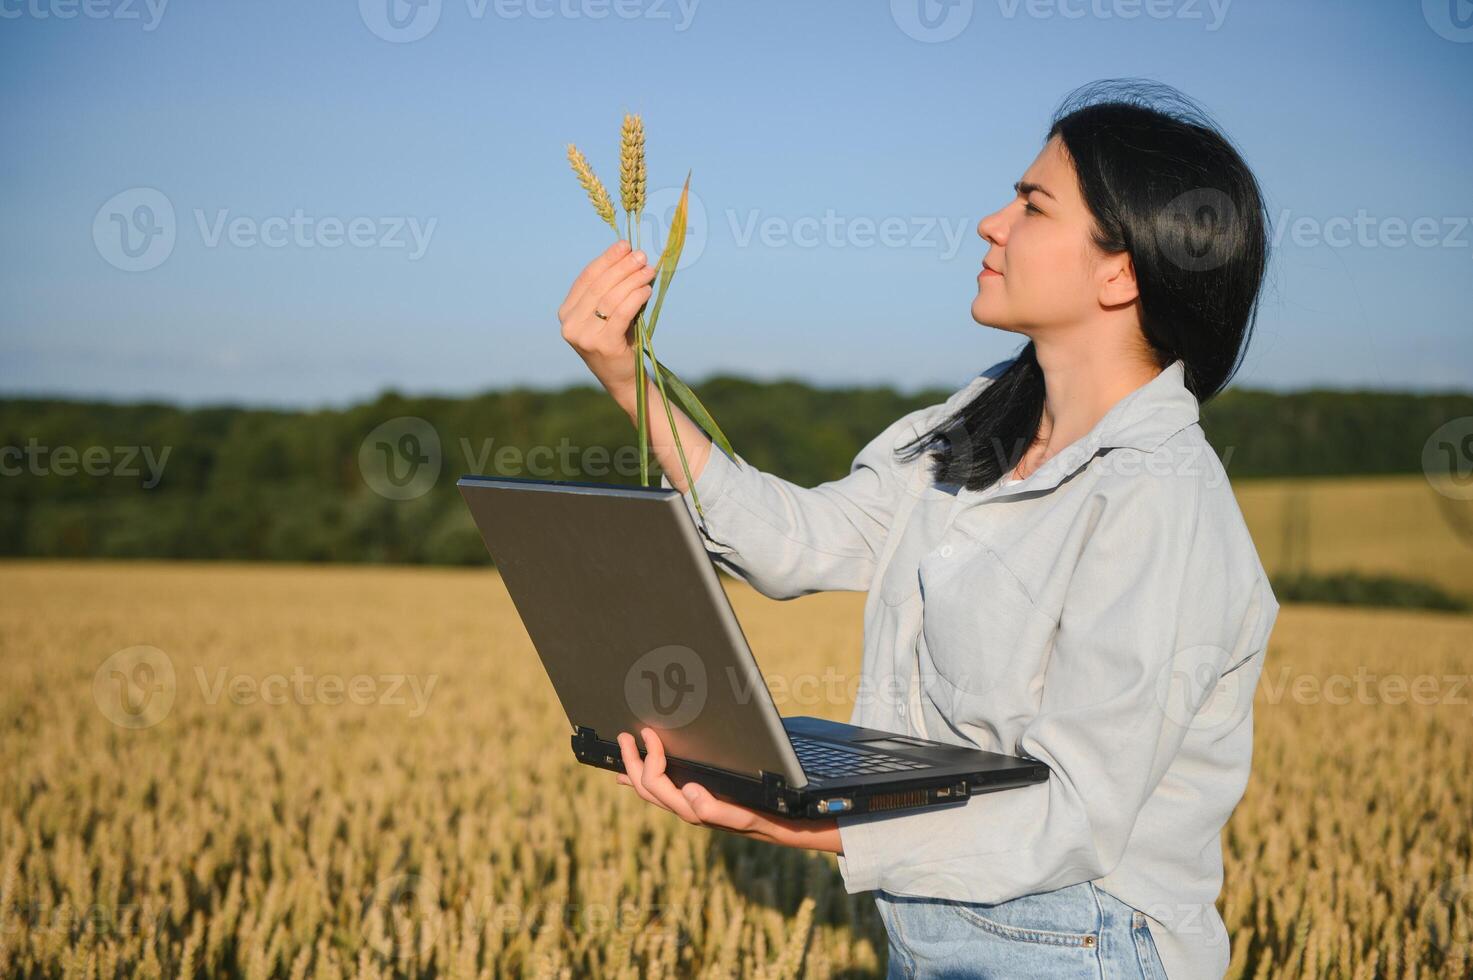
x=597 y=194
x=269 y=823
x=631 y=165
x=1388 y=525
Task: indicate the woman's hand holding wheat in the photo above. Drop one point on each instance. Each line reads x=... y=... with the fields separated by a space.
x=617 y=284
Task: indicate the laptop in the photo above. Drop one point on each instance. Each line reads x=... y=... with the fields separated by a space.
x=628 y=615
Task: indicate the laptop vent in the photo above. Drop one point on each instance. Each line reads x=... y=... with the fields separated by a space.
x=893 y=801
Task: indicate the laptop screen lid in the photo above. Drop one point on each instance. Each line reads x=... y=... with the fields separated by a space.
x=629 y=618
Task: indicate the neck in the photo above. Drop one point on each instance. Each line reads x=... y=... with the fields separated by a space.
x=1082 y=383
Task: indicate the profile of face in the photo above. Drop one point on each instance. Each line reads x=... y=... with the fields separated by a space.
x=1043 y=272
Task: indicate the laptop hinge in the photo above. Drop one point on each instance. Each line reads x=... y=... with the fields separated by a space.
x=585 y=745
x=775 y=790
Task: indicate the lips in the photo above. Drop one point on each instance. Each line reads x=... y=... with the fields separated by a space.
x=988 y=270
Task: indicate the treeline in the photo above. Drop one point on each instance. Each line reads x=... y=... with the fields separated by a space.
x=376 y=482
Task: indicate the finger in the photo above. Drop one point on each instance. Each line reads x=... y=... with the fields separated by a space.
x=621 y=779
x=607 y=280
x=640 y=279
x=592 y=271
x=660 y=786
x=719 y=813
x=633 y=767
x=614 y=334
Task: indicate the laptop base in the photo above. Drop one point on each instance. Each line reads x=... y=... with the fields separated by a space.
x=945 y=786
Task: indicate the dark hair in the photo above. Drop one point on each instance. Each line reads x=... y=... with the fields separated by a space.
x=1164 y=185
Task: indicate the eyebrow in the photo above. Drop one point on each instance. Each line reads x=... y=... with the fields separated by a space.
x=1025 y=188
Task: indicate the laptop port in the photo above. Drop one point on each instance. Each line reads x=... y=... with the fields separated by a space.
x=836 y=805
x=942 y=791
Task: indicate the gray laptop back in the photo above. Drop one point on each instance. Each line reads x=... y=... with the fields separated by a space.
x=630 y=619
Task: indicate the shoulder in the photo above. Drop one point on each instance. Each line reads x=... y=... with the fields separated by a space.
x=1175 y=503
x=1180 y=484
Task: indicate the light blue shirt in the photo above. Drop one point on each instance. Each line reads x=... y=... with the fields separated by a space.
x=1107 y=615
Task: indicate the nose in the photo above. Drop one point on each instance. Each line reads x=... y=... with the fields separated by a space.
x=994 y=227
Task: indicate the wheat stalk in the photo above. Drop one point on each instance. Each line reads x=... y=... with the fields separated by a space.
x=632 y=188
x=631 y=194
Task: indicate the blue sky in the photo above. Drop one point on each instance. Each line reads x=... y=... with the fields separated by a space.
x=362 y=201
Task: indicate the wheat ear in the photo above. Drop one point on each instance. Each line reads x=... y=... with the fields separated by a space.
x=595 y=188
x=631 y=165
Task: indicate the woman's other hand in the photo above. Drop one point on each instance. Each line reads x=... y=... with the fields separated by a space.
x=694 y=804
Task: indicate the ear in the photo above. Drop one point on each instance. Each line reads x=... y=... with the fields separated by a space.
x=1117 y=283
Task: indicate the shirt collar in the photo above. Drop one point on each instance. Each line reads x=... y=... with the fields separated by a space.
x=1143 y=420
x=1151 y=414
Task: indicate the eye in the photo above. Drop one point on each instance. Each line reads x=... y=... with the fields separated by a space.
x=1030 y=209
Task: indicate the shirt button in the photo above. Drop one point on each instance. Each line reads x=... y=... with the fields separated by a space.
x=902 y=711
x=946 y=551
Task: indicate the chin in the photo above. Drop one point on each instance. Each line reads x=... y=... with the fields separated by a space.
x=988 y=317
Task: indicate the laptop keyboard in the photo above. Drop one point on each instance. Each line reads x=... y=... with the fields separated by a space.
x=828 y=759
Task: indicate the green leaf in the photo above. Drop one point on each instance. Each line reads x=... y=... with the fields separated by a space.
x=693 y=407
x=674 y=430
x=670 y=257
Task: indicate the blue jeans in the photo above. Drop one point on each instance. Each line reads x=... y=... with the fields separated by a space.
x=1078 y=931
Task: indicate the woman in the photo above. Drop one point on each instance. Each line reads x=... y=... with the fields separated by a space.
x=1069 y=579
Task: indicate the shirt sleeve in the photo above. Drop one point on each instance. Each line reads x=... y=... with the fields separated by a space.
x=787 y=541
x=1154 y=591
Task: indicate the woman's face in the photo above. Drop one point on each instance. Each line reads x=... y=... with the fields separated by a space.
x=1042 y=270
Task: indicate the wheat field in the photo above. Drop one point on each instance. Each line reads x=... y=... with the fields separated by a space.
x=1377 y=525
x=227 y=770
